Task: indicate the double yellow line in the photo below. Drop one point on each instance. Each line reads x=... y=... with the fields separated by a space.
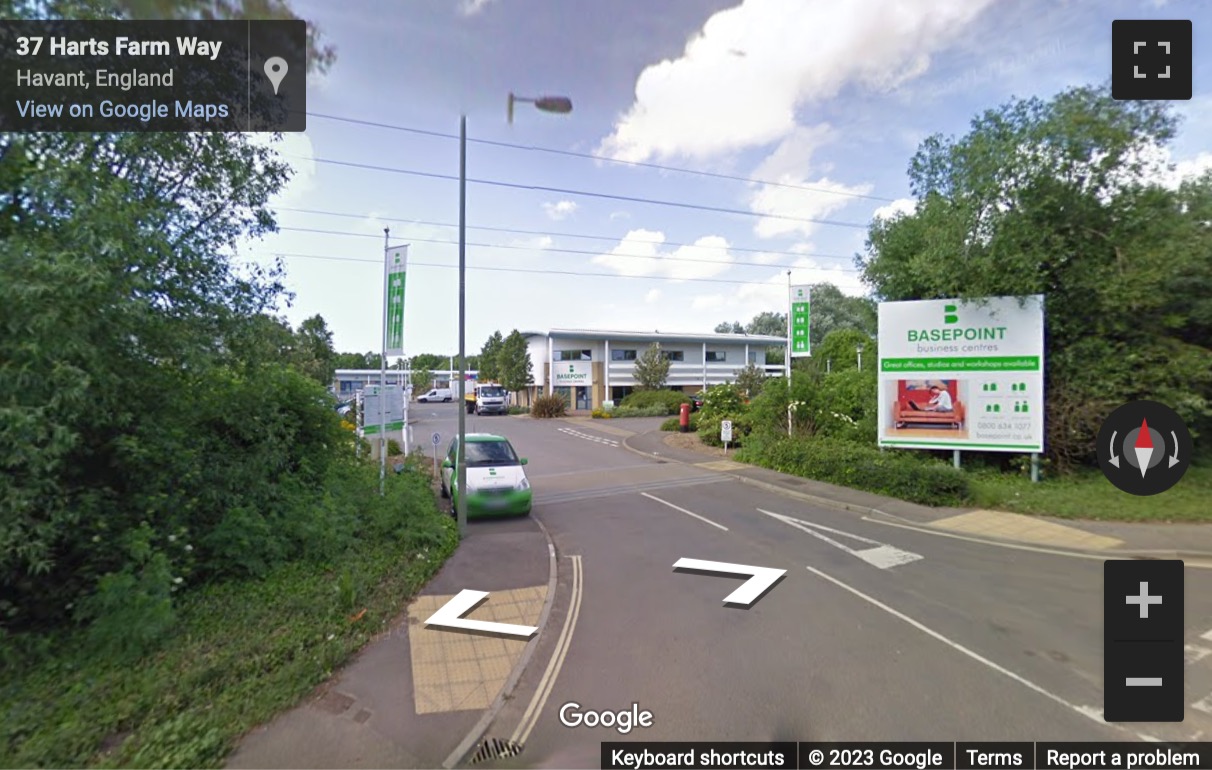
x=547 y=683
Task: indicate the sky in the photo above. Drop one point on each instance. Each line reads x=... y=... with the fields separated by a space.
x=800 y=118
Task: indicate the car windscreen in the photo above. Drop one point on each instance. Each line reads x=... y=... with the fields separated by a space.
x=492 y=392
x=490 y=453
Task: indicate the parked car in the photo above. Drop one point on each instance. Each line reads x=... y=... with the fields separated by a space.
x=696 y=401
x=437 y=394
x=496 y=483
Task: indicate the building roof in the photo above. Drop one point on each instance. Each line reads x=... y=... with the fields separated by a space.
x=658 y=336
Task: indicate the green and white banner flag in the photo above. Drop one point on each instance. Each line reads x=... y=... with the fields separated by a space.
x=397 y=263
x=800 y=322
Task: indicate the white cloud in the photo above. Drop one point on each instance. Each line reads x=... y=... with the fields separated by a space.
x=652 y=296
x=793 y=193
x=296 y=150
x=818 y=203
x=619 y=215
x=896 y=208
x=711 y=100
x=640 y=253
x=771 y=295
x=560 y=210
x=535 y=242
x=472 y=7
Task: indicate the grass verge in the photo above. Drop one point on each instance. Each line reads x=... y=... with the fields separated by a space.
x=1089 y=495
x=241 y=653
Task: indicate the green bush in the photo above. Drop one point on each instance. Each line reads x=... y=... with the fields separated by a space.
x=709 y=429
x=845 y=463
x=393 y=448
x=519 y=410
x=845 y=405
x=721 y=400
x=674 y=423
x=669 y=400
x=656 y=410
x=549 y=406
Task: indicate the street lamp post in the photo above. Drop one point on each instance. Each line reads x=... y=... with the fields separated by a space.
x=560 y=105
x=859 y=350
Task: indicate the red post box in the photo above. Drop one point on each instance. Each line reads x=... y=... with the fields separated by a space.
x=684 y=418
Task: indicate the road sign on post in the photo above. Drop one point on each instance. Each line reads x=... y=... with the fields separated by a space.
x=726 y=433
x=437 y=439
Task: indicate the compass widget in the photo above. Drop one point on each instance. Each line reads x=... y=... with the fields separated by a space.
x=1144 y=448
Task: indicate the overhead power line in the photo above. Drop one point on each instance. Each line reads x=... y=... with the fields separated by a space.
x=604 y=158
x=583 y=193
x=539 y=271
x=555 y=234
x=514 y=247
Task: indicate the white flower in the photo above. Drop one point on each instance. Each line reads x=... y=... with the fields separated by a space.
x=189 y=548
x=172 y=538
x=331 y=637
x=178 y=580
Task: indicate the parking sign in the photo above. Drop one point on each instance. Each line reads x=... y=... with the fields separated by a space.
x=437 y=438
x=726 y=430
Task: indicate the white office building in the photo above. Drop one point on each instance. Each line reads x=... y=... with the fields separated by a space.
x=588 y=366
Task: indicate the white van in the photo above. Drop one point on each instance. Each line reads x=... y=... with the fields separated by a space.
x=437 y=394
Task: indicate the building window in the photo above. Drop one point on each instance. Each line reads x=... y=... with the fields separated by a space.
x=620 y=392
x=674 y=355
x=716 y=356
x=753 y=357
x=573 y=355
x=622 y=355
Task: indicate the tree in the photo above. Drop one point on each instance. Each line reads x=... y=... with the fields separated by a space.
x=422 y=380
x=314 y=353
x=516 y=367
x=1061 y=198
x=356 y=361
x=430 y=361
x=839 y=351
x=490 y=367
x=772 y=324
x=734 y=327
x=750 y=380
x=832 y=310
x=652 y=368
x=144 y=391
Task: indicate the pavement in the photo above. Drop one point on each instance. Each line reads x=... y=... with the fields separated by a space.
x=894 y=621
x=1191 y=542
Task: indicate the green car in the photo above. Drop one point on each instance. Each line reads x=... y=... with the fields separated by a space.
x=496 y=483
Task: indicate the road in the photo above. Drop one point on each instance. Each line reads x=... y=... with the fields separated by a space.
x=929 y=638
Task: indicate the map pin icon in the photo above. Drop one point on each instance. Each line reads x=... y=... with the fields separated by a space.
x=275 y=70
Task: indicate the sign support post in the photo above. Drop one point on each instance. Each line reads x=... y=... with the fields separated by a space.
x=383 y=375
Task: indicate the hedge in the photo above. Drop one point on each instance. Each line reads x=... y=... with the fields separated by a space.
x=670 y=400
x=891 y=473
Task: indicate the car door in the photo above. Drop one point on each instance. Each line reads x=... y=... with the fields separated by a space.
x=448 y=473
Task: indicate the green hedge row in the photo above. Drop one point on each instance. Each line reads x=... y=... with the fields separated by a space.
x=670 y=400
x=891 y=473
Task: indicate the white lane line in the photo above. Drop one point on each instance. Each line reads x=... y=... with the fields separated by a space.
x=598 y=439
x=531 y=717
x=1195 y=653
x=1204 y=705
x=880 y=555
x=1089 y=712
x=683 y=510
x=1207 y=635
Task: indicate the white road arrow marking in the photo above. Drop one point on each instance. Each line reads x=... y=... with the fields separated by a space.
x=880 y=555
x=451 y=616
x=760 y=580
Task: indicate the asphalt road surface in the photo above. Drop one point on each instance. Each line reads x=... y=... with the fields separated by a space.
x=876 y=632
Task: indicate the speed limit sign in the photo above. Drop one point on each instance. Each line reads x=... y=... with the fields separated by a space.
x=436 y=438
x=726 y=430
